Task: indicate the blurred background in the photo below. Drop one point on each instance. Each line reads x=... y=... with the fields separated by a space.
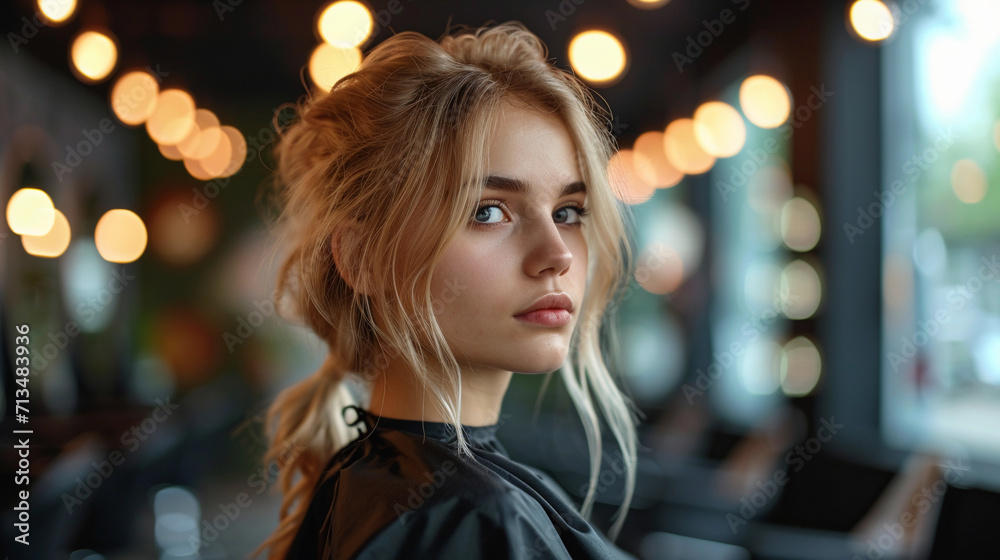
x=813 y=329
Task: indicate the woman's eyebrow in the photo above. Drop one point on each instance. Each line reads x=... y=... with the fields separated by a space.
x=518 y=186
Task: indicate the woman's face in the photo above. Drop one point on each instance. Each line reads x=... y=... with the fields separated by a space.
x=517 y=248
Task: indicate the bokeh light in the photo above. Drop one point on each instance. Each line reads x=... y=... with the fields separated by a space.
x=683 y=150
x=345 y=24
x=179 y=238
x=626 y=182
x=597 y=56
x=204 y=137
x=871 y=20
x=216 y=162
x=56 y=13
x=760 y=367
x=801 y=290
x=330 y=63
x=648 y=4
x=51 y=244
x=800 y=225
x=238 y=151
x=133 y=97
x=173 y=117
x=801 y=365
x=651 y=161
x=120 y=236
x=719 y=129
x=94 y=55
x=765 y=101
x=30 y=212
x=968 y=181
x=660 y=269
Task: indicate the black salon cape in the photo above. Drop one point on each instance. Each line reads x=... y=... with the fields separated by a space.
x=400 y=491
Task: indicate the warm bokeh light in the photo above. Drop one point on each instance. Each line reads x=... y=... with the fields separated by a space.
x=204 y=137
x=871 y=20
x=133 y=98
x=683 y=150
x=94 y=55
x=800 y=225
x=51 y=244
x=626 y=182
x=58 y=12
x=173 y=117
x=120 y=236
x=329 y=64
x=648 y=4
x=651 y=161
x=968 y=181
x=30 y=212
x=597 y=56
x=345 y=24
x=184 y=339
x=660 y=269
x=218 y=161
x=170 y=151
x=800 y=291
x=765 y=101
x=195 y=169
x=179 y=238
x=238 y=151
x=801 y=365
x=719 y=129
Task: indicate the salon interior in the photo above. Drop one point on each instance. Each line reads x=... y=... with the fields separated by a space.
x=811 y=331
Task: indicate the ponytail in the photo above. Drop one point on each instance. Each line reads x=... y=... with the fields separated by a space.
x=305 y=429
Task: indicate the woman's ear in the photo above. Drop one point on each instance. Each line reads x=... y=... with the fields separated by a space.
x=342 y=243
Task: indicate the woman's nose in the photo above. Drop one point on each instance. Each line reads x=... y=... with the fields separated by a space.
x=547 y=250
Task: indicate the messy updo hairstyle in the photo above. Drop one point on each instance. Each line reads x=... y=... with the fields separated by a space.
x=389 y=166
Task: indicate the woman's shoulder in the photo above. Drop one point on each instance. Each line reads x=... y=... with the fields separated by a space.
x=396 y=479
x=460 y=526
x=412 y=467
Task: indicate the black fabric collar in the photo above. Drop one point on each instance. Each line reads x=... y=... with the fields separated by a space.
x=441 y=431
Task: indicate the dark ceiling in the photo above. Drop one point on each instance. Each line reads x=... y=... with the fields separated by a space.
x=253 y=51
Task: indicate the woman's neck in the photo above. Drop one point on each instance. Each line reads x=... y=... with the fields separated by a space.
x=396 y=393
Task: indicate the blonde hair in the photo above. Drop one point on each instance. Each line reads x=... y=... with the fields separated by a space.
x=402 y=141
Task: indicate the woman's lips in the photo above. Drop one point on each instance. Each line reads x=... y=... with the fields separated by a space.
x=546 y=317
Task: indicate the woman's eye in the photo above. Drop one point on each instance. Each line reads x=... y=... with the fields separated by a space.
x=580 y=213
x=486 y=212
x=493 y=214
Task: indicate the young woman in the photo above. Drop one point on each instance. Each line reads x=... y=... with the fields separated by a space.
x=450 y=221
